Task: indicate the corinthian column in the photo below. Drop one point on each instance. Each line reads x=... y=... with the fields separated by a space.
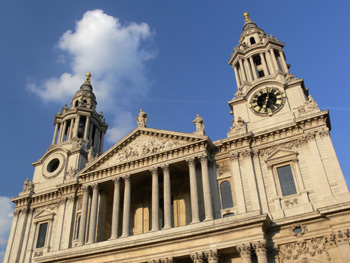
x=116 y=208
x=93 y=217
x=83 y=217
x=206 y=189
x=126 y=211
x=212 y=256
x=198 y=257
x=260 y=248
x=194 y=191
x=155 y=200
x=245 y=250
x=167 y=197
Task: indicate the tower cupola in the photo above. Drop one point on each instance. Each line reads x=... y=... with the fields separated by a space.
x=257 y=57
x=85 y=97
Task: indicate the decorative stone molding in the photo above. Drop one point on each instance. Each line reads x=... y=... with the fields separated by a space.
x=291 y=202
x=154 y=170
x=323 y=132
x=70 y=198
x=342 y=237
x=212 y=256
x=38 y=253
x=127 y=177
x=165 y=167
x=246 y=153
x=116 y=181
x=310 y=136
x=61 y=164
x=198 y=257
x=71 y=172
x=62 y=201
x=309 y=106
x=245 y=250
x=85 y=188
x=94 y=186
x=203 y=158
x=223 y=168
x=299 y=250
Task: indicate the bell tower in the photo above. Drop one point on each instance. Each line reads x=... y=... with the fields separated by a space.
x=78 y=138
x=268 y=95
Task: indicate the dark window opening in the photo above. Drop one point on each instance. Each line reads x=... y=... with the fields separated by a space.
x=258 y=66
x=42 y=235
x=81 y=128
x=53 y=165
x=286 y=179
x=76 y=103
x=226 y=195
x=252 y=41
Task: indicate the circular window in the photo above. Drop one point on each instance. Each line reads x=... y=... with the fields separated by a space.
x=53 y=165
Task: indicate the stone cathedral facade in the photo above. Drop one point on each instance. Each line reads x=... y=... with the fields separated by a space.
x=271 y=191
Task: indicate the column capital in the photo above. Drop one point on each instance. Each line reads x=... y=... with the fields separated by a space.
x=310 y=136
x=245 y=250
x=213 y=256
x=246 y=153
x=260 y=247
x=94 y=186
x=154 y=170
x=191 y=160
x=116 y=180
x=166 y=168
x=203 y=158
x=234 y=156
x=127 y=178
x=197 y=257
x=84 y=188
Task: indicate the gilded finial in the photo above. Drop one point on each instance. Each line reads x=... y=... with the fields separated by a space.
x=246 y=16
x=88 y=76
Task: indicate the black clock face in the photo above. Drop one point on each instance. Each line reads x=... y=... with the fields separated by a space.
x=267 y=101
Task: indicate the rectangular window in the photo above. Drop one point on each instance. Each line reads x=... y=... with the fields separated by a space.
x=42 y=235
x=286 y=179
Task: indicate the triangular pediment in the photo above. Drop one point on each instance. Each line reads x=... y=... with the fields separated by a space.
x=281 y=155
x=141 y=143
x=44 y=215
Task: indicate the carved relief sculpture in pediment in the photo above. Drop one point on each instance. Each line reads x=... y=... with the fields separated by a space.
x=141 y=147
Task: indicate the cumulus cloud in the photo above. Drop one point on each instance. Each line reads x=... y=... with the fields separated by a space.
x=114 y=53
x=6 y=216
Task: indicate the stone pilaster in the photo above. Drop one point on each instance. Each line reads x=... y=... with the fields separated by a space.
x=93 y=214
x=155 y=200
x=237 y=179
x=83 y=217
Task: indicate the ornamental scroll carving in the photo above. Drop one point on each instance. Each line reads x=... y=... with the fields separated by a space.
x=142 y=147
x=223 y=168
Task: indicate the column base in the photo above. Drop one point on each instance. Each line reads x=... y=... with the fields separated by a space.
x=124 y=235
x=112 y=238
x=195 y=221
x=166 y=227
x=208 y=219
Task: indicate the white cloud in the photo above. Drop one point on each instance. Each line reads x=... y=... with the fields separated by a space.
x=6 y=215
x=114 y=53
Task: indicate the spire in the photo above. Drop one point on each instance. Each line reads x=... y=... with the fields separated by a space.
x=248 y=23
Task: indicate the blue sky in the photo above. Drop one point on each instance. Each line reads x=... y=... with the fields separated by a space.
x=166 y=57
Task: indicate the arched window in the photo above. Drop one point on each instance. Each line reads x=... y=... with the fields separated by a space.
x=76 y=103
x=226 y=195
x=252 y=41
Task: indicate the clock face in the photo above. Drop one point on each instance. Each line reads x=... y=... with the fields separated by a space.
x=267 y=101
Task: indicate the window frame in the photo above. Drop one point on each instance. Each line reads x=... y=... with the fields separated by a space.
x=277 y=180
x=221 y=201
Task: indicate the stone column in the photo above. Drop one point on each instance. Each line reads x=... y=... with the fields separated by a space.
x=93 y=214
x=63 y=131
x=96 y=139
x=12 y=235
x=116 y=208
x=263 y=62
x=283 y=61
x=76 y=126
x=212 y=256
x=155 y=200
x=237 y=77
x=253 y=68
x=237 y=179
x=83 y=217
x=67 y=228
x=101 y=141
x=206 y=188
x=193 y=190
x=269 y=63
x=126 y=210
x=260 y=248
x=245 y=250
x=86 y=127
x=248 y=70
x=90 y=132
x=55 y=134
x=242 y=70
x=274 y=60
x=198 y=257
x=60 y=130
x=167 y=197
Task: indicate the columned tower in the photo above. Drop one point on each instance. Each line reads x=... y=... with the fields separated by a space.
x=77 y=139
